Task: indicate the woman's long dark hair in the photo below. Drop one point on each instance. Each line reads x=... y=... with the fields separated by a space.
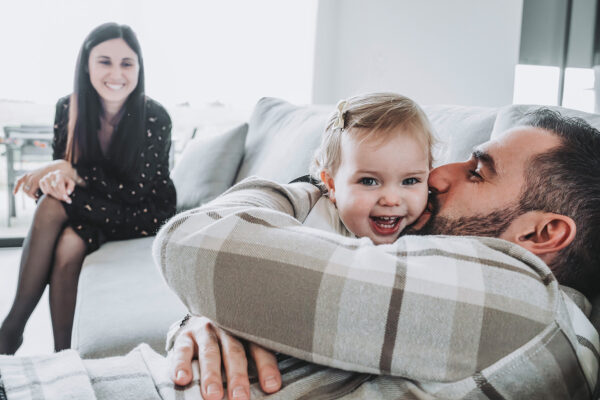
x=83 y=146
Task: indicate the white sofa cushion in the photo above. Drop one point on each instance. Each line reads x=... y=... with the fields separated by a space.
x=458 y=129
x=208 y=166
x=281 y=140
x=122 y=301
x=282 y=137
x=511 y=116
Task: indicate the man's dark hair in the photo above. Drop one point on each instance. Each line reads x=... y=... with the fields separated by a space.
x=566 y=180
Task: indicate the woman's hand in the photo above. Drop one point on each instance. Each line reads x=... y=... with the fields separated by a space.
x=214 y=347
x=58 y=185
x=30 y=182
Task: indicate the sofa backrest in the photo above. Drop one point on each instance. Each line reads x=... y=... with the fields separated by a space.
x=283 y=137
x=511 y=116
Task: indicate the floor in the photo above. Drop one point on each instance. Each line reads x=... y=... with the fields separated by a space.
x=38 y=333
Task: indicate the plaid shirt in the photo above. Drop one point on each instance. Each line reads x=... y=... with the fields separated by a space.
x=443 y=316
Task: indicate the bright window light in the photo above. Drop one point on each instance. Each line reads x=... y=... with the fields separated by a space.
x=196 y=52
x=536 y=85
x=579 y=89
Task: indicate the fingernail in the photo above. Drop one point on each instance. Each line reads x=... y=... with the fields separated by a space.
x=212 y=388
x=181 y=374
x=239 y=393
x=270 y=382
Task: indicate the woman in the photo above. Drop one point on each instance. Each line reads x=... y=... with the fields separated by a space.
x=109 y=181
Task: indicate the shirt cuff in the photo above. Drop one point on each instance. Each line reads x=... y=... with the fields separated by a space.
x=174 y=331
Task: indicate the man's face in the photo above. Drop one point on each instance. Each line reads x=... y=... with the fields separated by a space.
x=481 y=195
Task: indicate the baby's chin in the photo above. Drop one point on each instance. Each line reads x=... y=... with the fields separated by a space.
x=383 y=240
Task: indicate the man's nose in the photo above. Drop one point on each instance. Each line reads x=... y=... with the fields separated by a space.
x=441 y=178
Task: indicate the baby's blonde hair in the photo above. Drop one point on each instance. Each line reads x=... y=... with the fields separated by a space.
x=378 y=115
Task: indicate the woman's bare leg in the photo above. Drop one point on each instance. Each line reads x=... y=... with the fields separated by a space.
x=68 y=258
x=36 y=263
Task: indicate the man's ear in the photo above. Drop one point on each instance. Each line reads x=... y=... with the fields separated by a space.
x=328 y=181
x=542 y=233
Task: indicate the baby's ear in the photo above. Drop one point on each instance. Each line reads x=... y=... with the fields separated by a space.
x=329 y=183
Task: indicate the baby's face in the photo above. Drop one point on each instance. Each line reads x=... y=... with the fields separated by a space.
x=380 y=187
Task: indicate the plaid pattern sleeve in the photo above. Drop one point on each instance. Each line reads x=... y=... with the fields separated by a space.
x=457 y=315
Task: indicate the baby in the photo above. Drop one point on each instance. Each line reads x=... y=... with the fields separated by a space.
x=374 y=161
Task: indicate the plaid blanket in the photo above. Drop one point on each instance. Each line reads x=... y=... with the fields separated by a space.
x=450 y=317
x=143 y=374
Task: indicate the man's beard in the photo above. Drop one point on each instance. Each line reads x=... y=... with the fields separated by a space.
x=493 y=224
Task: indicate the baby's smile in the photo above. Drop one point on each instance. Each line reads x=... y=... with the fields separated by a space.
x=386 y=225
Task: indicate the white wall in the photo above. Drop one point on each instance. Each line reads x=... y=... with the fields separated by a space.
x=435 y=51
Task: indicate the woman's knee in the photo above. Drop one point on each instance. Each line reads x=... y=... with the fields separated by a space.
x=49 y=211
x=68 y=255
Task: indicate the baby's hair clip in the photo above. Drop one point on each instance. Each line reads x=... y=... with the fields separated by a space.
x=339 y=123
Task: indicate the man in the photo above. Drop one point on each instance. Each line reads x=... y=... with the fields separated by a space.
x=425 y=317
x=456 y=317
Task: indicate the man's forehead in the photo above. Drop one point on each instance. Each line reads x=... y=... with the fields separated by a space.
x=516 y=145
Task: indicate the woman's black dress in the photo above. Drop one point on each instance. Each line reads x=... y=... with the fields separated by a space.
x=121 y=206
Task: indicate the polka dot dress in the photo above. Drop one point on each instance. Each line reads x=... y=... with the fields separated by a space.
x=121 y=207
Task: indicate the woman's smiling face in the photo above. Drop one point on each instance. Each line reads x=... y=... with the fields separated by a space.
x=114 y=70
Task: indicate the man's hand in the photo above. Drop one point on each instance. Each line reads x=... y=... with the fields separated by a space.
x=200 y=338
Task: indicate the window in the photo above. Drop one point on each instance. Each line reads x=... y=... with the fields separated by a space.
x=539 y=85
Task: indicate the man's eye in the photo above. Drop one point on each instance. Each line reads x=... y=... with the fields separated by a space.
x=475 y=175
x=411 y=181
x=368 y=181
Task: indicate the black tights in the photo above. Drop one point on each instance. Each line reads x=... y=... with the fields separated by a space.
x=52 y=253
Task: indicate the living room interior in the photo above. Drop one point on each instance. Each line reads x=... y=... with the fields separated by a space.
x=209 y=63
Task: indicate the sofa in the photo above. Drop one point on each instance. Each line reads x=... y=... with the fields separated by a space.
x=122 y=299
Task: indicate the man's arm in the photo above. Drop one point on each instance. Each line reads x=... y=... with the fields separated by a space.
x=427 y=308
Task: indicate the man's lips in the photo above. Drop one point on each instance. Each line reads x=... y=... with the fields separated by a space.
x=430 y=209
x=385 y=225
x=422 y=220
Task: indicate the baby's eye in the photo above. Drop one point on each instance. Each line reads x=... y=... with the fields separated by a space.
x=368 y=181
x=411 y=181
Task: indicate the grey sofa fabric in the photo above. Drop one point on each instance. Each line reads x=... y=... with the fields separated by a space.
x=458 y=129
x=122 y=299
x=208 y=167
x=281 y=140
x=511 y=116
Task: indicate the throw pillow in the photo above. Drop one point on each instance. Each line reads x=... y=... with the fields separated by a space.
x=282 y=139
x=208 y=167
x=458 y=129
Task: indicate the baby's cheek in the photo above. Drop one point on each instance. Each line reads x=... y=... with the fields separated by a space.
x=418 y=201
